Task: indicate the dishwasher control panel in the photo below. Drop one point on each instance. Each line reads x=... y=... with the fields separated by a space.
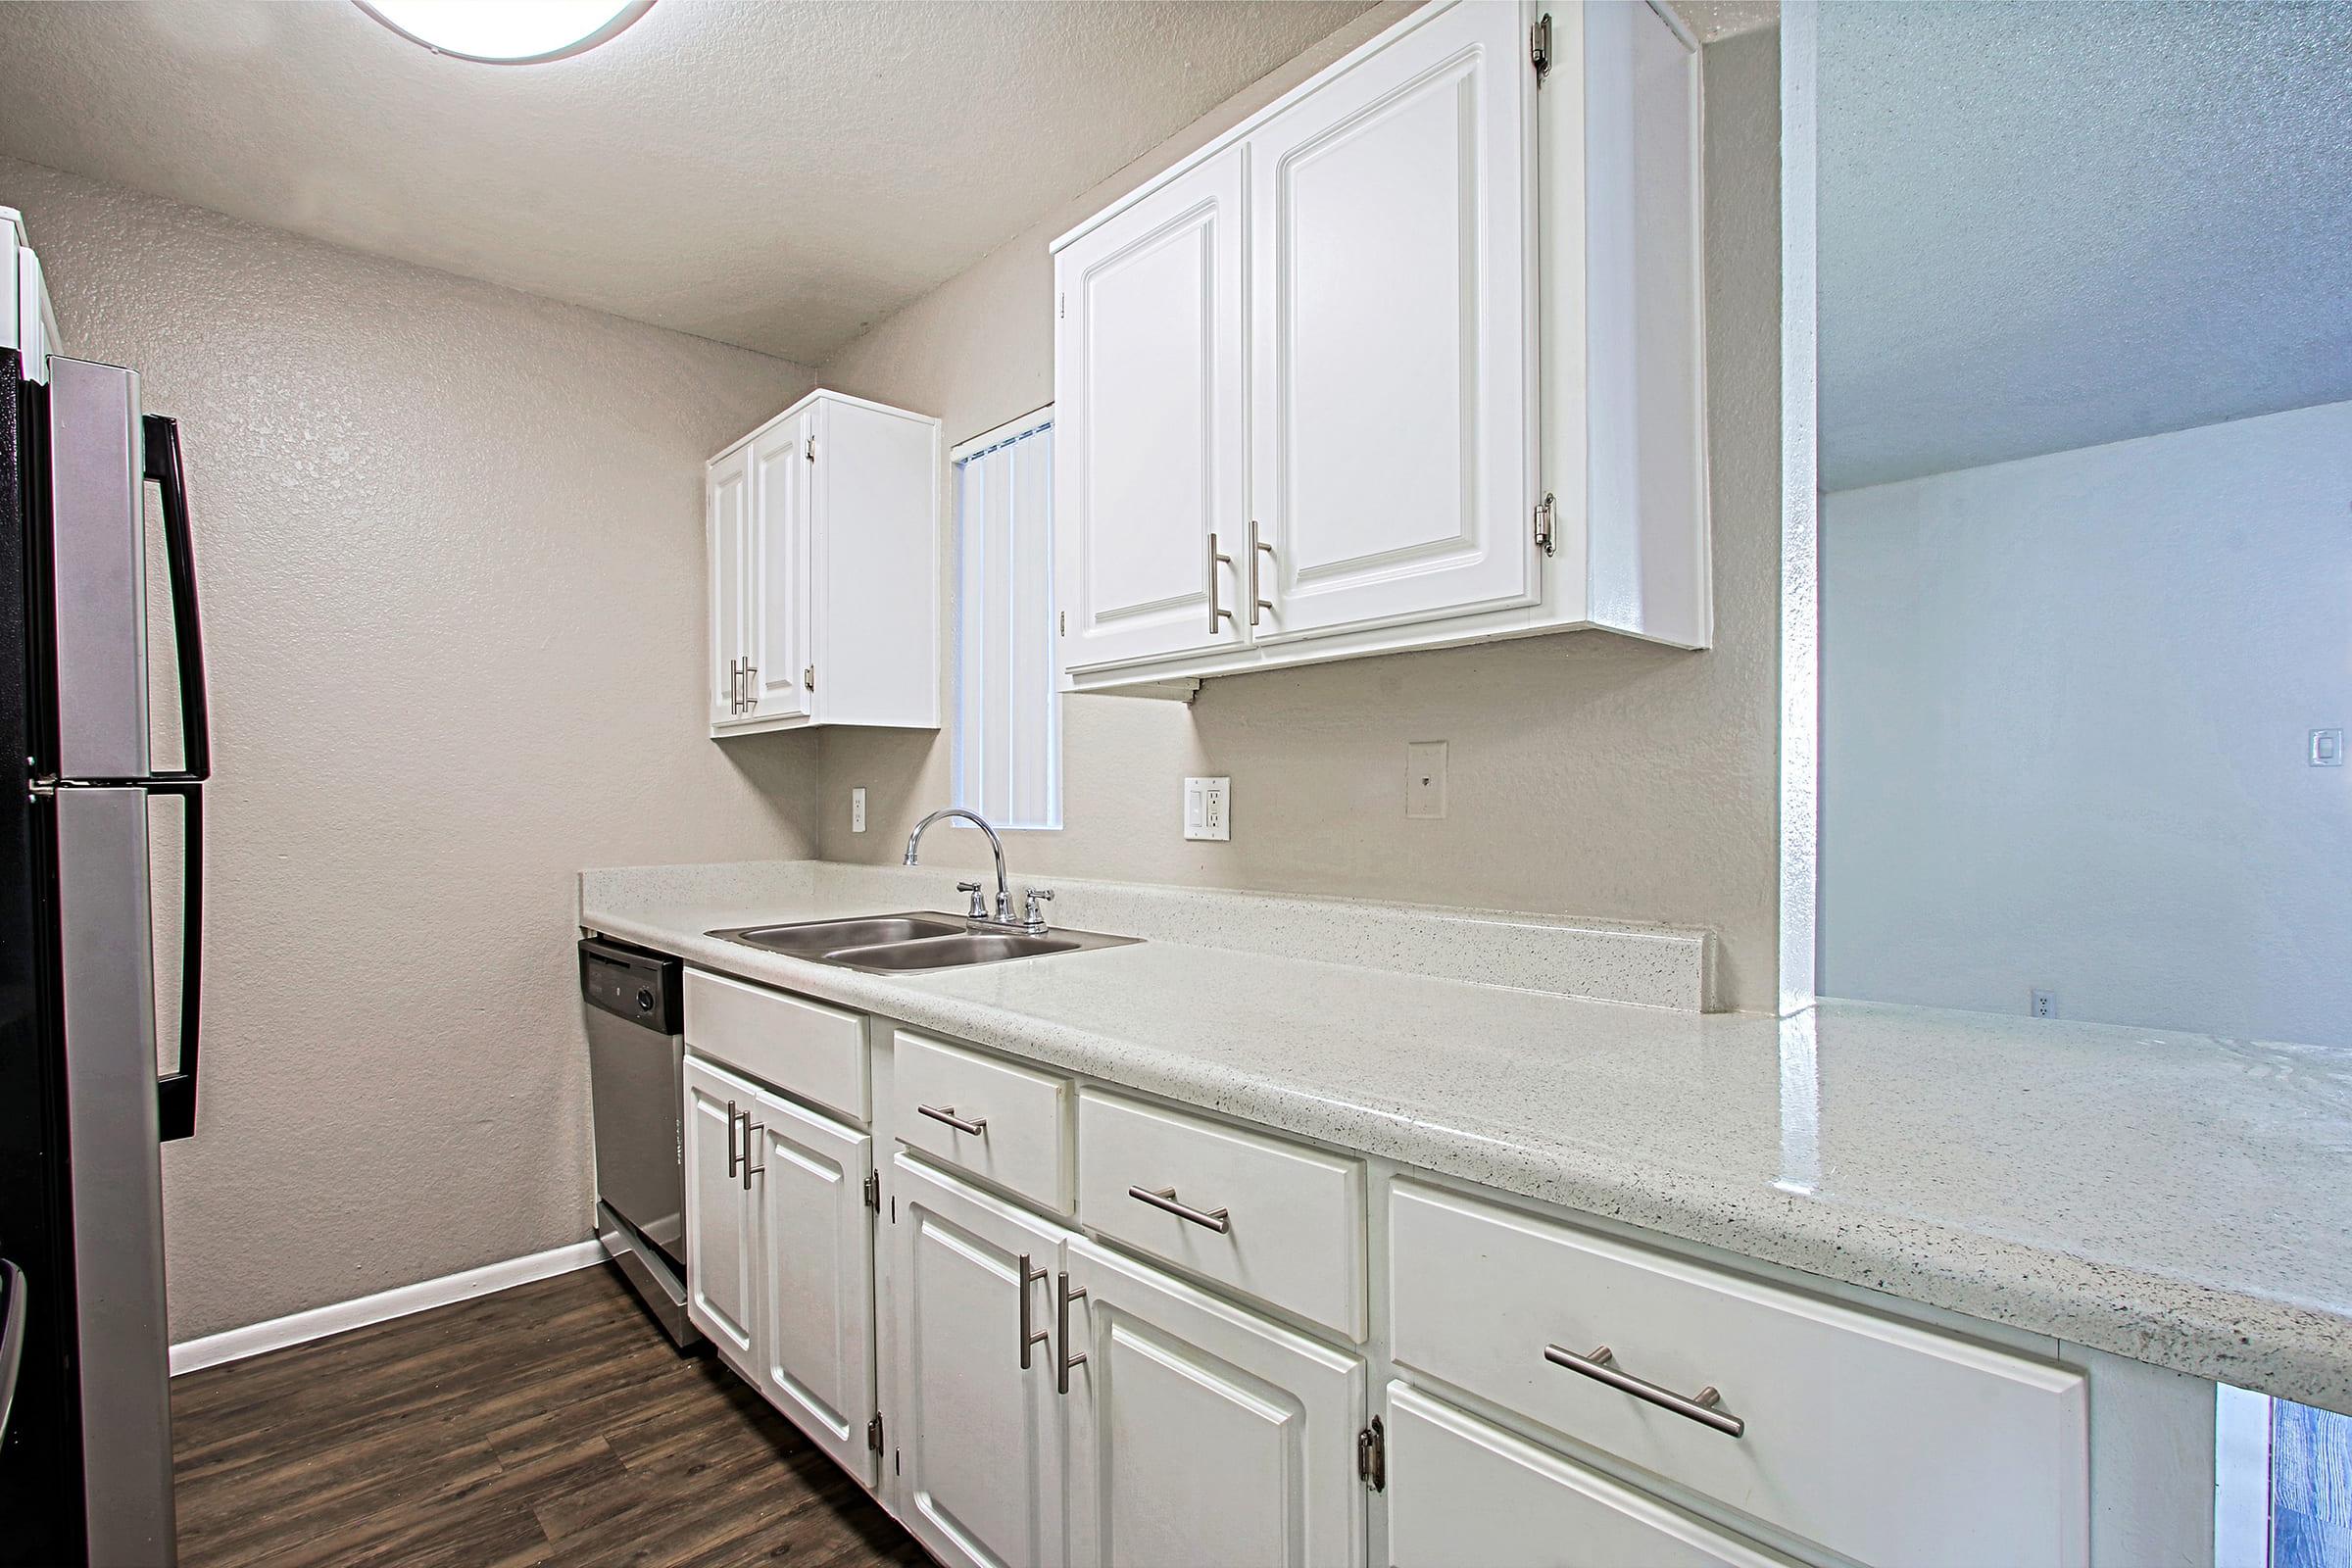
x=632 y=983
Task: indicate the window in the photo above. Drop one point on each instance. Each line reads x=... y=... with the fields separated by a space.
x=1007 y=746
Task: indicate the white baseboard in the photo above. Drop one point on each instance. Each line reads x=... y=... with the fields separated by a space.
x=234 y=1344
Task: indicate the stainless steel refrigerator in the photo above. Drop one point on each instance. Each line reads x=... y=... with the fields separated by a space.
x=99 y=644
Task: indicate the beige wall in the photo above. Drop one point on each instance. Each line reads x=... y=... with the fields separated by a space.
x=450 y=541
x=1590 y=775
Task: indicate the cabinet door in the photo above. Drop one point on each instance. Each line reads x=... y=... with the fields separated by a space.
x=1202 y=1433
x=1460 y=1490
x=720 y=1241
x=1147 y=475
x=776 y=639
x=728 y=509
x=979 y=1435
x=1392 y=346
x=815 y=1311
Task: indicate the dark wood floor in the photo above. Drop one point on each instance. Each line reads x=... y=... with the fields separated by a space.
x=547 y=1424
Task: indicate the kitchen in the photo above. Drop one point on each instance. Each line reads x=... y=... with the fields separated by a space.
x=1332 y=486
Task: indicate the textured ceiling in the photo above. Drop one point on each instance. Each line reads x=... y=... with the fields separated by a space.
x=2051 y=225
x=1711 y=19
x=774 y=173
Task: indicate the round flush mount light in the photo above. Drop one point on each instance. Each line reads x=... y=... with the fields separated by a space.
x=506 y=33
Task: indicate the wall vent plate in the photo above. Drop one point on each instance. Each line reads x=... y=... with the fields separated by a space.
x=1208 y=809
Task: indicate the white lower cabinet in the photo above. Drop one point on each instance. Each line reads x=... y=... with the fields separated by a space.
x=1203 y=1433
x=1195 y=1364
x=721 y=1269
x=1467 y=1491
x=979 y=1419
x=814 y=1324
x=780 y=1254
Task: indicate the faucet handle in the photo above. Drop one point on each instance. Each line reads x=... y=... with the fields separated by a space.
x=979 y=909
x=1031 y=914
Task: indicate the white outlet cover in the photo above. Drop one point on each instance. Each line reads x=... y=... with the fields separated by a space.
x=857 y=809
x=1208 y=809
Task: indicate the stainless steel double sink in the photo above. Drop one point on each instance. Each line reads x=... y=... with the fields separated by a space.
x=898 y=944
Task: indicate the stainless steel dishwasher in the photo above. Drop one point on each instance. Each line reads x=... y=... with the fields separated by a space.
x=636 y=1089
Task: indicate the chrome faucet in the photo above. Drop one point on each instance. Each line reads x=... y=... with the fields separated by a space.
x=1004 y=916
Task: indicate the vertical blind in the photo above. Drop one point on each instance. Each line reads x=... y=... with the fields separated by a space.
x=1008 y=745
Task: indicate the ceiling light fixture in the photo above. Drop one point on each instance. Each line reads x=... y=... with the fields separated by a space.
x=506 y=33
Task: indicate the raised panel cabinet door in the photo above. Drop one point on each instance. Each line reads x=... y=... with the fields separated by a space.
x=727 y=507
x=1461 y=1490
x=1148 y=484
x=1202 y=1433
x=720 y=1244
x=815 y=1338
x=776 y=641
x=1391 y=343
x=979 y=1435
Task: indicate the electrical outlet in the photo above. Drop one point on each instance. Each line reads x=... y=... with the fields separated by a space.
x=2327 y=747
x=2045 y=1003
x=857 y=809
x=1208 y=809
x=1425 y=778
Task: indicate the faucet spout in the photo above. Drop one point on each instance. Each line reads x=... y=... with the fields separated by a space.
x=996 y=845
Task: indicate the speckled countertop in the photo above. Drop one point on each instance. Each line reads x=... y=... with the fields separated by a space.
x=2183 y=1199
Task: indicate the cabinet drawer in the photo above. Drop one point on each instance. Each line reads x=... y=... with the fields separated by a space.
x=1464 y=1491
x=1886 y=1441
x=800 y=1047
x=1293 y=1226
x=1021 y=1143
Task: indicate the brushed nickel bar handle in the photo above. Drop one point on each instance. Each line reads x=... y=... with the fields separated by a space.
x=1166 y=1198
x=1699 y=1408
x=1257 y=603
x=731 y=1138
x=1064 y=1295
x=1214 y=557
x=947 y=1114
x=1029 y=1336
x=751 y=1133
x=734 y=685
x=750 y=674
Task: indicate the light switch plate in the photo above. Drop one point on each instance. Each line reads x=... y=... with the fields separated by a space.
x=857 y=809
x=1425 y=778
x=1208 y=809
x=2327 y=747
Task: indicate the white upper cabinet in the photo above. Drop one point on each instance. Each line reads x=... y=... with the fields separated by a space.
x=824 y=571
x=1465 y=309
x=1392 y=369
x=1149 y=481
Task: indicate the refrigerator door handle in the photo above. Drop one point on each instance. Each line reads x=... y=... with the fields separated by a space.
x=175 y=1091
x=12 y=1339
x=161 y=443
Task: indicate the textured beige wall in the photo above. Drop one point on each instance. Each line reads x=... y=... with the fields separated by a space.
x=1590 y=775
x=450 y=540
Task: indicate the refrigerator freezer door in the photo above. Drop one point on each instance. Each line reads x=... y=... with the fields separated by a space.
x=107 y=961
x=98 y=562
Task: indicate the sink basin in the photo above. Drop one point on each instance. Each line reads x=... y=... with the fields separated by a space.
x=900 y=943
x=949 y=953
x=813 y=938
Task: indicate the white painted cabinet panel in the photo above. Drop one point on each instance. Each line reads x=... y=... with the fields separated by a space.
x=721 y=1275
x=1202 y=1433
x=776 y=574
x=814 y=1338
x=978 y=1433
x=824 y=570
x=1391 y=346
x=1147 y=445
x=727 y=500
x=1462 y=1491
x=1878 y=1438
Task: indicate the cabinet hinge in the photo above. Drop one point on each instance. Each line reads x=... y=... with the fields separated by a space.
x=1063 y=622
x=1372 y=1455
x=811 y=449
x=1539 y=45
x=874 y=1433
x=1062 y=306
x=873 y=1191
x=1543 y=517
x=808 y=671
